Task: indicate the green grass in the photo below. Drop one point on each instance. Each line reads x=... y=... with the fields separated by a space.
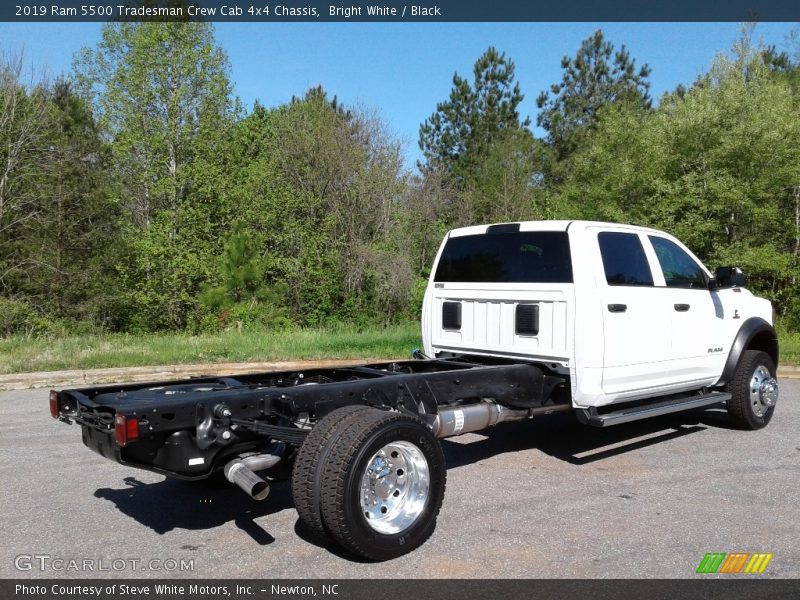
x=25 y=354
x=789 y=344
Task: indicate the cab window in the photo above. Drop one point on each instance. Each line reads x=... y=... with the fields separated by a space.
x=506 y=257
x=680 y=270
x=624 y=260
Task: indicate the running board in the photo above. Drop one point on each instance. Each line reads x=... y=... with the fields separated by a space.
x=636 y=413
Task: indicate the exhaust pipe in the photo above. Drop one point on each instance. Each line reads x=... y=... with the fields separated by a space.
x=474 y=417
x=241 y=472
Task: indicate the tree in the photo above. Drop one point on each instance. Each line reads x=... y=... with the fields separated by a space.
x=464 y=127
x=72 y=236
x=23 y=150
x=162 y=93
x=55 y=210
x=163 y=98
x=782 y=65
x=242 y=296
x=317 y=184
x=503 y=184
x=591 y=80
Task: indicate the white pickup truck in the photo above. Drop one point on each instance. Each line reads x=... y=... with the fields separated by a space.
x=613 y=322
x=624 y=313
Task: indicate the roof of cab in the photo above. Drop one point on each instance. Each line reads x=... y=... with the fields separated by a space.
x=542 y=226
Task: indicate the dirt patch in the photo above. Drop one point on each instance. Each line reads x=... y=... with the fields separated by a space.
x=79 y=377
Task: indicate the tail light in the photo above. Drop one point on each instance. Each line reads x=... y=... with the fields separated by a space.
x=125 y=429
x=54 y=404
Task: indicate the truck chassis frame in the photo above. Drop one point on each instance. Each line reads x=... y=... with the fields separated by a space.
x=189 y=429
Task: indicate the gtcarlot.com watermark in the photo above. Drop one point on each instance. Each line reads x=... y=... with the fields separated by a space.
x=50 y=563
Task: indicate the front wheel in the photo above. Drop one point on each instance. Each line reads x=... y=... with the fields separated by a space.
x=383 y=485
x=754 y=391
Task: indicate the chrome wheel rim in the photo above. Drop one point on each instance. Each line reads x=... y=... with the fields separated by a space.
x=394 y=487
x=763 y=390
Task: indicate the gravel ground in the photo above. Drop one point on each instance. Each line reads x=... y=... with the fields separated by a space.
x=547 y=498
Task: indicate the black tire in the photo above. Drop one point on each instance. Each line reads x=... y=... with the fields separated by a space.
x=347 y=463
x=744 y=410
x=308 y=463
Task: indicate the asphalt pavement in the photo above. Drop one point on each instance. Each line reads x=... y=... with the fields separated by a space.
x=539 y=499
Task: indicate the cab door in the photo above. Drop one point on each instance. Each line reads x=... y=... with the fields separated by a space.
x=696 y=315
x=636 y=321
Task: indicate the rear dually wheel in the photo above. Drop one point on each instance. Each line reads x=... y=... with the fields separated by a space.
x=383 y=485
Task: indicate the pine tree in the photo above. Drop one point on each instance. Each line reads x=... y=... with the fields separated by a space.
x=595 y=77
x=464 y=127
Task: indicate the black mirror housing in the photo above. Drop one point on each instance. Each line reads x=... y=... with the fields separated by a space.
x=728 y=277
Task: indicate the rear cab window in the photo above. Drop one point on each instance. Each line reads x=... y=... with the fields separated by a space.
x=506 y=257
x=624 y=260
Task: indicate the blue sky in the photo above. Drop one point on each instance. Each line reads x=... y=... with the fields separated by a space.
x=403 y=70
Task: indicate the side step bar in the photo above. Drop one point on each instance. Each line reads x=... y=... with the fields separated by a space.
x=636 y=413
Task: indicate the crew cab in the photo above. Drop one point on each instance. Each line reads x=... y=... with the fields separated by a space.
x=612 y=322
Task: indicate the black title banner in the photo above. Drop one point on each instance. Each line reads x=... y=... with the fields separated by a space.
x=456 y=589
x=393 y=11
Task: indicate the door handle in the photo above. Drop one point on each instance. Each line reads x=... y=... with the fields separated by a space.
x=617 y=307
x=681 y=307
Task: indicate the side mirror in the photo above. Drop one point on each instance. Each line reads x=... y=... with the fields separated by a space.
x=728 y=277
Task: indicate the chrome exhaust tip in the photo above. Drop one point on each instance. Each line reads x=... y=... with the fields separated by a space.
x=255 y=487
